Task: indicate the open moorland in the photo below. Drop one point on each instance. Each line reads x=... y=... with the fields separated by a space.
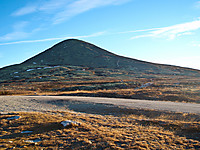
x=76 y=80
x=75 y=67
x=104 y=129
x=78 y=68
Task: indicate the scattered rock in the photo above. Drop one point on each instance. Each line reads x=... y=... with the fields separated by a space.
x=47 y=67
x=144 y=85
x=6 y=113
x=33 y=141
x=30 y=70
x=69 y=123
x=13 y=117
x=88 y=142
x=26 y=131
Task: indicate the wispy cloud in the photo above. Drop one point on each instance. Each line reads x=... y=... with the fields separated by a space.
x=81 y=6
x=25 y=10
x=17 y=33
x=14 y=36
x=61 y=10
x=53 y=39
x=143 y=30
x=195 y=44
x=51 y=12
x=171 y=32
x=48 y=6
x=197 y=4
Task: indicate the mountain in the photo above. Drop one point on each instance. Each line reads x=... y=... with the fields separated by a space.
x=79 y=53
x=75 y=67
x=73 y=52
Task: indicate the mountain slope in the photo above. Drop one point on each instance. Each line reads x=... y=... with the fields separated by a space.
x=80 y=53
x=75 y=52
x=75 y=67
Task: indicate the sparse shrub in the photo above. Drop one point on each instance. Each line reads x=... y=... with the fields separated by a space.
x=5 y=92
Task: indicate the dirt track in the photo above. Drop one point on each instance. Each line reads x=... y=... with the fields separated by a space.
x=88 y=104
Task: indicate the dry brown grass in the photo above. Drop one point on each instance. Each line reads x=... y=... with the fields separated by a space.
x=180 y=89
x=133 y=131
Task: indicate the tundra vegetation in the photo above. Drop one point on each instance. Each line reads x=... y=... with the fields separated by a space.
x=129 y=129
x=103 y=82
x=74 y=67
x=104 y=129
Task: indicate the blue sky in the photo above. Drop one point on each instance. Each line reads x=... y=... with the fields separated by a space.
x=160 y=31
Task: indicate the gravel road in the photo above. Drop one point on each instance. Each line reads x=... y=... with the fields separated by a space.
x=86 y=104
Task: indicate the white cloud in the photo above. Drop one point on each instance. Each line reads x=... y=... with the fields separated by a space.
x=54 y=11
x=143 y=30
x=53 y=39
x=17 y=33
x=49 y=7
x=197 y=4
x=52 y=5
x=25 y=10
x=195 y=44
x=61 y=10
x=185 y=33
x=81 y=6
x=172 y=32
x=14 y=36
x=20 y=25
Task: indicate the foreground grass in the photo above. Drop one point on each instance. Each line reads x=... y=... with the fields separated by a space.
x=152 y=130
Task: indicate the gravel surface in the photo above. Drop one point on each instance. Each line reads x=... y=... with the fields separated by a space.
x=88 y=104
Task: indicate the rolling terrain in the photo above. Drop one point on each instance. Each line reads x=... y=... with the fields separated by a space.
x=35 y=122
x=77 y=68
x=74 y=52
x=74 y=67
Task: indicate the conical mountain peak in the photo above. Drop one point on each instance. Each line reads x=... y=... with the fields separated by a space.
x=76 y=52
x=80 y=53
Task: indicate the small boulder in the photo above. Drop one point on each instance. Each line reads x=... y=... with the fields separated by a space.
x=13 y=117
x=33 y=141
x=69 y=123
x=26 y=131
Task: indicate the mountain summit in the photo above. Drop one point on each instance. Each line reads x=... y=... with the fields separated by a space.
x=75 y=67
x=73 y=52
x=80 y=53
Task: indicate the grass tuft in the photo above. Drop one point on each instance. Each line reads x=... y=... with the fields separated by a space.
x=98 y=131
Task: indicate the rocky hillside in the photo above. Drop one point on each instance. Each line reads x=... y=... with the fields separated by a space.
x=85 y=56
x=79 y=53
